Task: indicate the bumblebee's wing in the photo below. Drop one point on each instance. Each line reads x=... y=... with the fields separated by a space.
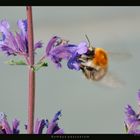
x=119 y=55
x=111 y=80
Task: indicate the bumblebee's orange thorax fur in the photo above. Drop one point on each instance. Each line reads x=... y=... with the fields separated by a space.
x=100 y=57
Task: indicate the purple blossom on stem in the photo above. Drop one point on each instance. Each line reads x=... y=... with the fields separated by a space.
x=58 y=51
x=132 y=119
x=52 y=126
x=5 y=127
x=16 y=44
x=40 y=124
x=15 y=125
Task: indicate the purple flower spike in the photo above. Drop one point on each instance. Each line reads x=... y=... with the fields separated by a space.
x=62 y=50
x=39 y=126
x=131 y=116
x=53 y=127
x=132 y=120
x=16 y=44
x=6 y=127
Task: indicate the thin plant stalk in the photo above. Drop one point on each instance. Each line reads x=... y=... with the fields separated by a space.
x=31 y=94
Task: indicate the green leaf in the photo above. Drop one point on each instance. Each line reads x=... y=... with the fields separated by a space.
x=40 y=65
x=14 y=62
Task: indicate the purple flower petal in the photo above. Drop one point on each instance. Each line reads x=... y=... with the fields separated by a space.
x=7 y=50
x=39 y=126
x=22 y=25
x=56 y=116
x=131 y=116
x=130 y=111
x=133 y=126
x=2 y=116
x=6 y=126
x=3 y=37
x=5 y=24
x=23 y=47
x=38 y=45
x=132 y=121
x=73 y=62
x=82 y=48
x=50 y=44
x=12 y=42
x=4 y=27
x=53 y=126
x=136 y=131
x=8 y=39
x=15 y=125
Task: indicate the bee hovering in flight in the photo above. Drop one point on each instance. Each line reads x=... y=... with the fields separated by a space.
x=94 y=63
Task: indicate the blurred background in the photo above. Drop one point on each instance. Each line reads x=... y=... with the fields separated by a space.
x=87 y=107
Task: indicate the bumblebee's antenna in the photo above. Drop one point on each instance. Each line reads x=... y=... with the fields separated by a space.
x=88 y=40
x=90 y=47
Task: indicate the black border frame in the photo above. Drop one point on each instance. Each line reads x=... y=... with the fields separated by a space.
x=70 y=3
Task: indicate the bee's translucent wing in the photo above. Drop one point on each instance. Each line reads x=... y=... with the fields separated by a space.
x=111 y=80
x=119 y=54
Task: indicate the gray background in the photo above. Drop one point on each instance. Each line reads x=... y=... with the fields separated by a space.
x=87 y=107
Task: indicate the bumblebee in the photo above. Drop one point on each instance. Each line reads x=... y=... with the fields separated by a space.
x=94 y=63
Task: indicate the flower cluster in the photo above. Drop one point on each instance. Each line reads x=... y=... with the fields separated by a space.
x=132 y=120
x=16 y=44
x=51 y=127
x=59 y=49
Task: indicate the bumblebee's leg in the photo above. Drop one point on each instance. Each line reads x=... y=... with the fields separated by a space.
x=85 y=72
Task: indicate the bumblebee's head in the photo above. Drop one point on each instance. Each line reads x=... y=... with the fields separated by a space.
x=100 y=57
